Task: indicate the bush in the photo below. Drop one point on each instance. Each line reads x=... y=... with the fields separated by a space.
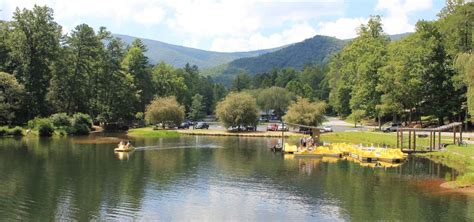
x=44 y=126
x=81 y=118
x=80 y=129
x=3 y=131
x=60 y=120
x=32 y=124
x=16 y=131
x=81 y=124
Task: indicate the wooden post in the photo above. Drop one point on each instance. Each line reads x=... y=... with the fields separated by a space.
x=439 y=140
x=454 y=135
x=460 y=134
x=401 y=139
x=398 y=139
x=409 y=139
x=283 y=137
x=434 y=140
x=431 y=140
x=414 y=140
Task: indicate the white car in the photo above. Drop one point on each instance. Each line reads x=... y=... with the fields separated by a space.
x=327 y=129
x=282 y=128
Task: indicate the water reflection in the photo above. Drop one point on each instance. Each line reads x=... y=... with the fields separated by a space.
x=123 y=155
x=210 y=178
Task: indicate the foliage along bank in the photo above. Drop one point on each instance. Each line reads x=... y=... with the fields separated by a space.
x=44 y=72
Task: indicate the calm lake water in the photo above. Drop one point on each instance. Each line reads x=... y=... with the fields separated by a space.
x=212 y=178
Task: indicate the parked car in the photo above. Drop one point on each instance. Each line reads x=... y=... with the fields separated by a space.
x=251 y=128
x=392 y=127
x=263 y=119
x=282 y=127
x=201 y=125
x=184 y=125
x=326 y=129
x=304 y=130
x=272 y=127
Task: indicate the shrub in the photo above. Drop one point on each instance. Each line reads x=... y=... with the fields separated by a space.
x=81 y=124
x=32 y=124
x=44 y=126
x=60 y=120
x=16 y=131
x=3 y=131
x=80 y=129
x=81 y=118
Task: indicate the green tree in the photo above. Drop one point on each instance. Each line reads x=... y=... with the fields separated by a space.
x=465 y=65
x=441 y=99
x=34 y=44
x=11 y=95
x=136 y=63
x=315 y=77
x=167 y=81
x=5 y=47
x=164 y=110
x=356 y=116
x=275 y=98
x=237 y=109
x=456 y=23
x=305 y=112
x=369 y=61
x=197 y=108
x=401 y=79
x=118 y=92
x=85 y=48
x=242 y=81
x=339 y=82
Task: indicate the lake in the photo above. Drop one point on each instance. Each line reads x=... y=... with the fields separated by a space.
x=212 y=178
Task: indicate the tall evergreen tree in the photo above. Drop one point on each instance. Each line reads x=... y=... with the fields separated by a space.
x=34 y=43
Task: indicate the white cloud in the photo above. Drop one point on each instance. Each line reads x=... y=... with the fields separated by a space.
x=343 y=28
x=138 y=11
x=225 y=25
x=296 y=33
x=398 y=11
x=150 y=16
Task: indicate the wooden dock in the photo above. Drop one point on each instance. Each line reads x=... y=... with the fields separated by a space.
x=434 y=134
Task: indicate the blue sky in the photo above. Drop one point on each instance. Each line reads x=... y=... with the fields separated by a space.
x=233 y=25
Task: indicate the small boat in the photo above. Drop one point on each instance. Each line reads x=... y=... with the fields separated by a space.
x=277 y=148
x=128 y=149
x=289 y=149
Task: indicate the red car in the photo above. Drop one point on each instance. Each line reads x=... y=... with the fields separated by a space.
x=272 y=127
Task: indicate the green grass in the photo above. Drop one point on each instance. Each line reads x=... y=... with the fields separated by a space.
x=376 y=138
x=149 y=132
x=460 y=158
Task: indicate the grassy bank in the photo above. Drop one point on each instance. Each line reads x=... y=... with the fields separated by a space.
x=242 y=134
x=375 y=138
x=149 y=132
x=460 y=158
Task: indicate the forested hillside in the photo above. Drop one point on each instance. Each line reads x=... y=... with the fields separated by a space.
x=179 y=56
x=316 y=50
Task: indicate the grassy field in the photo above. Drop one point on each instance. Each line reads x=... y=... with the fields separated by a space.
x=149 y=132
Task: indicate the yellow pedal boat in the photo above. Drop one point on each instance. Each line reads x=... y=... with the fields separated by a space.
x=129 y=149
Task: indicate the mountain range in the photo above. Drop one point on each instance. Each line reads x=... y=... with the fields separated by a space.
x=224 y=65
x=178 y=56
